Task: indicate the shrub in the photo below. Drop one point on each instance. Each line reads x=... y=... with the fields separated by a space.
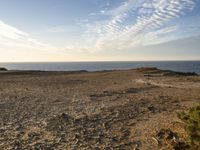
x=192 y=121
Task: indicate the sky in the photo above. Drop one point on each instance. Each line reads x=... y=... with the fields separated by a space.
x=99 y=30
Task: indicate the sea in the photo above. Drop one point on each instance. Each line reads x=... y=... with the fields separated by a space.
x=182 y=66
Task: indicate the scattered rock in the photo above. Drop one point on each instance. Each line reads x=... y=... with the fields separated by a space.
x=166 y=137
x=152 y=109
x=36 y=110
x=166 y=134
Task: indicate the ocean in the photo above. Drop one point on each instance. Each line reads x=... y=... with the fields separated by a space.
x=183 y=66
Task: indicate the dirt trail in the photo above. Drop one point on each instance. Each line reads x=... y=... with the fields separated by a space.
x=172 y=85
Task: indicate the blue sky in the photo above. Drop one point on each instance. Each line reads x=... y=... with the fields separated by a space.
x=99 y=30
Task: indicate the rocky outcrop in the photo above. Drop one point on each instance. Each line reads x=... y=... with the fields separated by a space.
x=3 y=69
x=155 y=72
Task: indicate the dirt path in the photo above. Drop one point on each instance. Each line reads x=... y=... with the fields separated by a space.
x=172 y=84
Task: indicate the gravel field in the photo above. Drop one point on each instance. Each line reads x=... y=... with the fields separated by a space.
x=104 y=110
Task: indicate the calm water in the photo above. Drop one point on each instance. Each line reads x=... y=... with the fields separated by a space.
x=184 y=66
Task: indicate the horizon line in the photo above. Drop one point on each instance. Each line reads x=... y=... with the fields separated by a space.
x=96 y=61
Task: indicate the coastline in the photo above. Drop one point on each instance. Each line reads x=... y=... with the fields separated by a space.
x=97 y=109
x=181 y=66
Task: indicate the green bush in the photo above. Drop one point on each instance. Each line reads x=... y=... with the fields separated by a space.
x=192 y=120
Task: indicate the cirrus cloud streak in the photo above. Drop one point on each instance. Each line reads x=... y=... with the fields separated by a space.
x=138 y=23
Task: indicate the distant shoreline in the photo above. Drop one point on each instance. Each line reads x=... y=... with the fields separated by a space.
x=180 y=66
x=168 y=72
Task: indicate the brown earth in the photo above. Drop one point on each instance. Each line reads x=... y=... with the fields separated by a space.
x=127 y=109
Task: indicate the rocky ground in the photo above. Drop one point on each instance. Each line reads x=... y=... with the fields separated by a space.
x=127 y=109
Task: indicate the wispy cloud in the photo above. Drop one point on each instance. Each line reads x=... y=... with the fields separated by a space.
x=13 y=37
x=131 y=24
x=138 y=22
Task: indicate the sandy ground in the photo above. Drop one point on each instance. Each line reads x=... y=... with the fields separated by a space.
x=129 y=109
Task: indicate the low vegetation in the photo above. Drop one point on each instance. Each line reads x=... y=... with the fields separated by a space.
x=192 y=120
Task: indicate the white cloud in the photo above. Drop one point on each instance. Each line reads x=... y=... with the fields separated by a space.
x=11 y=37
x=138 y=22
x=9 y=32
x=17 y=46
x=134 y=23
